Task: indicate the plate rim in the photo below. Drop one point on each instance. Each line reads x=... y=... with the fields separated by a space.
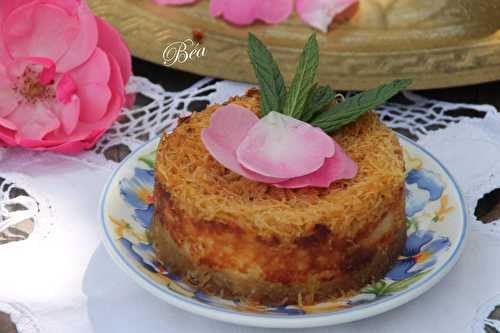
x=270 y=321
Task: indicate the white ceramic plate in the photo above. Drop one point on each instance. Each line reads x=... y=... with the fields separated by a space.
x=436 y=223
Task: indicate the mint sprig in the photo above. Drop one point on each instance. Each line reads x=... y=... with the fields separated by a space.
x=319 y=98
x=271 y=82
x=303 y=80
x=305 y=99
x=353 y=107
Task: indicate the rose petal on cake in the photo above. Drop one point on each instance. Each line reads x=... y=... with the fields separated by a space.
x=229 y=125
x=340 y=166
x=320 y=13
x=284 y=147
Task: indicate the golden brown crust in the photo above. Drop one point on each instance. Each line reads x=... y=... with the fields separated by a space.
x=228 y=261
x=254 y=241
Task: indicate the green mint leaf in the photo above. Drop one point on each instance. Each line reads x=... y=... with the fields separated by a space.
x=267 y=72
x=303 y=80
x=319 y=98
x=354 y=107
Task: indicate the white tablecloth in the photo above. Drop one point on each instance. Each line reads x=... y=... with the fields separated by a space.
x=62 y=280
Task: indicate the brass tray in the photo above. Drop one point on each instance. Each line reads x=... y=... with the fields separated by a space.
x=438 y=43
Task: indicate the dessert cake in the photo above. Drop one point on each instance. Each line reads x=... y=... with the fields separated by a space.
x=247 y=240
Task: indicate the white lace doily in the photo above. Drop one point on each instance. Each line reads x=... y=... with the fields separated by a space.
x=61 y=195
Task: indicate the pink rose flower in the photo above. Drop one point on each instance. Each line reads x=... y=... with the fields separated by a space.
x=63 y=73
x=276 y=149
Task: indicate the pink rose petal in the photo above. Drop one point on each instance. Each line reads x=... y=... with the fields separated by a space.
x=91 y=80
x=217 y=7
x=94 y=99
x=246 y=12
x=320 y=13
x=65 y=88
x=30 y=31
x=33 y=121
x=112 y=43
x=228 y=127
x=9 y=99
x=340 y=166
x=174 y=2
x=44 y=66
x=95 y=70
x=7 y=136
x=280 y=146
x=238 y=14
x=7 y=124
x=84 y=43
x=274 y=12
x=68 y=113
x=115 y=104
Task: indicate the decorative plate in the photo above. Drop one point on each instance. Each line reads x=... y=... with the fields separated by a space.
x=436 y=224
x=438 y=43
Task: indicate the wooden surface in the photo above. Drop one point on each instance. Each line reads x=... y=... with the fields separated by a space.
x=487 y=210
x=438 y=43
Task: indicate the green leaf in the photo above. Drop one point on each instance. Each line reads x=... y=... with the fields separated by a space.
x=267 y=72
x=319 y=98
x=376 y=288
x=354 y=107
x=149 y=159
x=404 y=284
x=303 y=80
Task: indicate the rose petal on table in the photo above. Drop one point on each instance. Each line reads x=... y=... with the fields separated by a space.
x=228 y=127
x=340 y=166
x=319 y=14
x=242 y=13
x=280 y=146
x=246 y=12
x=174 y=2
x=274 y=12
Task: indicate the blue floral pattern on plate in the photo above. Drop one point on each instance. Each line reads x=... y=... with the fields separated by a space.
x=428 y=188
